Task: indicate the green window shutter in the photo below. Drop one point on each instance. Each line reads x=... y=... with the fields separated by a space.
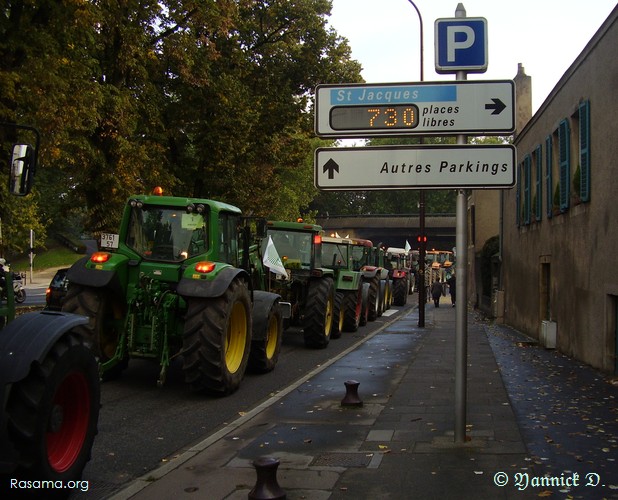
x=549 y=187
x=538 y=207
x=527 y=188
x=584 y=150
x=564 y=151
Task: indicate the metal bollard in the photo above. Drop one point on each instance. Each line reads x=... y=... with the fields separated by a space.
x=266 y=487
x=351 y=394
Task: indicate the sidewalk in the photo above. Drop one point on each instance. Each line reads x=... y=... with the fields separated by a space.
x=400 y=443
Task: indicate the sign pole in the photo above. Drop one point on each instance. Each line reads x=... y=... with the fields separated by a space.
x=461 y=322
x=422 y=290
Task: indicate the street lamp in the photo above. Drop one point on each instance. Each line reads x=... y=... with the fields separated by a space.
x=422 y=291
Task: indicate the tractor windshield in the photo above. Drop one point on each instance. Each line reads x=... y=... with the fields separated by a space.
x=335 y=255
x=293 y=247
x=166 y=234
x=361 y=256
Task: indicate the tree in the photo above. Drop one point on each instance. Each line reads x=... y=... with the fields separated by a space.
x=254 y=120
x=209 y=98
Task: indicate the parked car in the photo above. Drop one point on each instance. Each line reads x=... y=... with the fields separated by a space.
x=57 y=289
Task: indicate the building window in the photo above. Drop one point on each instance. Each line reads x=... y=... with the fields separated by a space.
x=564 y=163
x=537 y=199
x=584 y=151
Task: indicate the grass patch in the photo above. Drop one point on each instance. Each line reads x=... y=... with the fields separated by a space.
x=56 y=255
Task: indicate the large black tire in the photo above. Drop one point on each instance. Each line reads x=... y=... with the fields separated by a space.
x=100 y=333
x=352 y=305
x=338 y=317
x=97 y=304
x=318 y=316
x=364 y=317
x=217 y=340
x=374 y=299
x=385 y=295
x=264 y=353
x=400 y=291
x=53 y=413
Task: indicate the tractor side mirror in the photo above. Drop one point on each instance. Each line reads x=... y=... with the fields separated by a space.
x=21 y=169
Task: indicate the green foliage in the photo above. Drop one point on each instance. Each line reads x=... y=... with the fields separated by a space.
x=19 y=216
x=209 y=98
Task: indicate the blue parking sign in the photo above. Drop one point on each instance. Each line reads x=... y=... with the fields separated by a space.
x=461 y=45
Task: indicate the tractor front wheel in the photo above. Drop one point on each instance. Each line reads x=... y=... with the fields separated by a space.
x=265 y=352
x=217 y=340
x=53 y=412
x=101 y=331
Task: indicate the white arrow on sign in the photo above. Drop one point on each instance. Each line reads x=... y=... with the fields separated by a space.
x=430 y=108
x=415 y=167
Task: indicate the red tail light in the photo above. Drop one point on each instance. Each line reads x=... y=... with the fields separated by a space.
x=205 y=267
x=100 y=257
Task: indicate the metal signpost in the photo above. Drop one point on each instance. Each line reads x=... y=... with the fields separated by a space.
x=424 y=108
x=461 y=54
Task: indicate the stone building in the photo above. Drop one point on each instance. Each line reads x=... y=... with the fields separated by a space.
x=559 y=226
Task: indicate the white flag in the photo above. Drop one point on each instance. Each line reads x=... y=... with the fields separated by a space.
x=272 y=260
x=408 y=247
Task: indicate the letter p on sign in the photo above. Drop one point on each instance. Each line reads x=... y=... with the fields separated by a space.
x=461 y=45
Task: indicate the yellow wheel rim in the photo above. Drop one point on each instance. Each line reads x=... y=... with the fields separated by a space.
x=273 y=337
x=329 y=316
x=236 y=338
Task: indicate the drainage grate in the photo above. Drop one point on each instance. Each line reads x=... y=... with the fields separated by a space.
x=343 y=459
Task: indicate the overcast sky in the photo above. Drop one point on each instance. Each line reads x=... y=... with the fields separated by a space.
x=545 y=36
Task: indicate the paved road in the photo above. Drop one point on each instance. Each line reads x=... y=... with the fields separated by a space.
x=142 y=426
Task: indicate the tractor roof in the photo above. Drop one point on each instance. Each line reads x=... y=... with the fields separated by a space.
x=177 y=201
x=294 y=226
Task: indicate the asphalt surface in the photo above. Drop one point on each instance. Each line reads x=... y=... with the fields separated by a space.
x=538 y=424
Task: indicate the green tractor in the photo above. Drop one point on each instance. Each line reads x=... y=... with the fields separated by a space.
x=176 y=281
x=369 y=260
x=49 y=382
x=308 y=286
x=352 y=298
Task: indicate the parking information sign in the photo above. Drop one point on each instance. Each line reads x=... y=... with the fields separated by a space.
x=429 y=108
x=415 y=167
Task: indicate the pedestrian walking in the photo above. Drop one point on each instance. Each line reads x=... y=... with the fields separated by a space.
x=452 y=286
x=436 y=292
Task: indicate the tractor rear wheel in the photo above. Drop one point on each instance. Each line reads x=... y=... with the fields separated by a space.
x=53 y=412
x=217 y=340
x=265 y=352
x=318 y=317
x=400 y=291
